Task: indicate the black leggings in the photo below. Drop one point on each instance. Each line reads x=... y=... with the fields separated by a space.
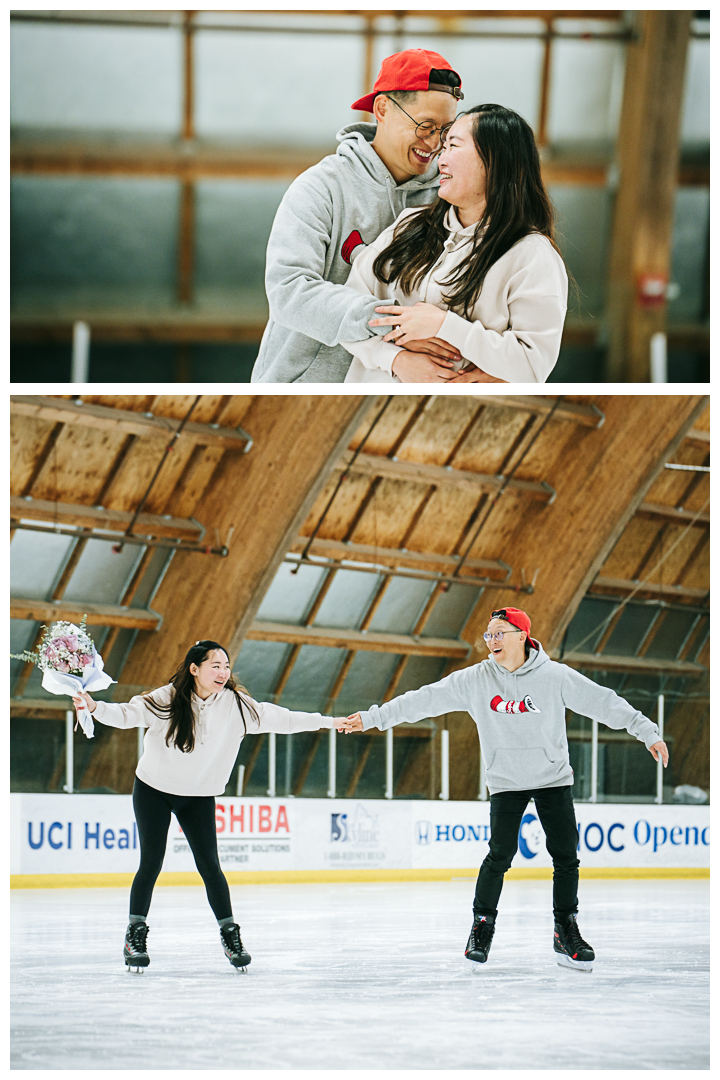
x=555 y=809
x=196 y=816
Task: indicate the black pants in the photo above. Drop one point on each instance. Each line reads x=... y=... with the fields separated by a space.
x=196 y=815
x=556 y=812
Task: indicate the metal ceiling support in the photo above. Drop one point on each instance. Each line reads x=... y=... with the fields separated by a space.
x=120 y=540
x=419 y=575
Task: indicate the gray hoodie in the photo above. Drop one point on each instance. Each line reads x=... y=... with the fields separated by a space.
x=520 y=716
x=311 y=309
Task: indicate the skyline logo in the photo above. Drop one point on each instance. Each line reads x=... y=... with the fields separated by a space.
x=362 y=830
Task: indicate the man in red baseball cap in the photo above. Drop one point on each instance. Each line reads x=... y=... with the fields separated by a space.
x=408 y=144
x=344 y=202
x=517 y=698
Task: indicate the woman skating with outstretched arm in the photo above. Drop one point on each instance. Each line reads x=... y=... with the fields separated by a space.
x=195 y=726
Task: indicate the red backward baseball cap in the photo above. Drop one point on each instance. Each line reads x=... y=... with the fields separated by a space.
x=409 y=70
x=517 y=618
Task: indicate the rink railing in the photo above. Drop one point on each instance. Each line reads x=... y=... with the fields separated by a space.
x=444 y=793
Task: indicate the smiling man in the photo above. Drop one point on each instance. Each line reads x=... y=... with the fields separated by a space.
x=517 y=698
x=344 y=202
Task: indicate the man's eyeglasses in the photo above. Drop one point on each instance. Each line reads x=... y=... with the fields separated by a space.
x=500 y=635
x=427 y=129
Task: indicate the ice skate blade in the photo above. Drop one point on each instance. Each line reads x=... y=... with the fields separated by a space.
x=574 y=965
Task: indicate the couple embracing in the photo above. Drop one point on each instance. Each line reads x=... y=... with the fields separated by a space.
x=423 y=250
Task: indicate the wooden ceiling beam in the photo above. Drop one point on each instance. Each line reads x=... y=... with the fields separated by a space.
x=66 y=411
x=622 y=585
x=698 y=438
x=417 y=473
x=601 y=483
x=349 y=551
x=638 y=665
x=672 y=513
x=93 y=517
x=48 y=611
x=588 y=415
x=400 y=644
x=267 y=496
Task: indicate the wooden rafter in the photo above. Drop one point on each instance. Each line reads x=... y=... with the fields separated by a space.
x=402 y=644
x=587 y=415
x=97 y=614
x=102 y=417
x=297 y=442
x=415 y=472
x=673 y=513
x=640 y=665
x=94 y=517
x=349 y=551
x=622 y=585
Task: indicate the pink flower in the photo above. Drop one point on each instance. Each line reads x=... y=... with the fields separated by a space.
x=70 y=642
x=62 y=665
x=84 y=659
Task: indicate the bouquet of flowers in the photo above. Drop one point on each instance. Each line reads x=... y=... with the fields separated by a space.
x=70 y=663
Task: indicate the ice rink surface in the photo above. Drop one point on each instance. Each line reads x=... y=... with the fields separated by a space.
x=362 y=976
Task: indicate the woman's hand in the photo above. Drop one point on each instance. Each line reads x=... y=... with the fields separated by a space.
x=411 y=323
x=350 y=723
x=434 y=346
x=475 y=374
x=84 y=701
x=415 y=367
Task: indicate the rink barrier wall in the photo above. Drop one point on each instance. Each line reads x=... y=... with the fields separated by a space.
x=93 y=838
x=310 y=877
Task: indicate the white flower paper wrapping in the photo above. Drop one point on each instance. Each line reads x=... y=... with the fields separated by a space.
x=93 y=678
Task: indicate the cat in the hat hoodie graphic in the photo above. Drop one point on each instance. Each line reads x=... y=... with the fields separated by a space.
x=526 y=705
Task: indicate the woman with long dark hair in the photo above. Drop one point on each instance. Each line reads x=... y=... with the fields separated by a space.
x=479 y=269
x=195 y=726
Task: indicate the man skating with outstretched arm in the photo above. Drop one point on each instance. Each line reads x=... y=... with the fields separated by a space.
x=517 y=698
x=344 y=202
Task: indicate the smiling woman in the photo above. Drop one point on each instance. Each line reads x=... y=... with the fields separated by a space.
x=195 y=726
x=483 y=276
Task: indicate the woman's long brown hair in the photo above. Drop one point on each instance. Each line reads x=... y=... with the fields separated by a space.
x=181 y=729
x=517 y=204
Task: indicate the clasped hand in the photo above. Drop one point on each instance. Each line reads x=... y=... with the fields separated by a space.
x=410 y=323
x=349 y=723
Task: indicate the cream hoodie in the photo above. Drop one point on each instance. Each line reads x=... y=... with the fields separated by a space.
x=219 y=730
x=516 y=324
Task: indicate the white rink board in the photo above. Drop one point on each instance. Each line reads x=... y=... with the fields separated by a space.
x=86 y=834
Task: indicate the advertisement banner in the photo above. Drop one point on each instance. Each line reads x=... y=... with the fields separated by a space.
x=97 y=834
x=456 y=834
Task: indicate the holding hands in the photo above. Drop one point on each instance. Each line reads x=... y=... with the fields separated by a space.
x=349 y=723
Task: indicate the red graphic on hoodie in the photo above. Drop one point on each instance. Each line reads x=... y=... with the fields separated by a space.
x=354 y=240
x=526 y=705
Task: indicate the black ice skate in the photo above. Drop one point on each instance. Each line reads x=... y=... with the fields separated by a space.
x=235 y=951
x=135 y=951
x=481 y=935
x=570 y=949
